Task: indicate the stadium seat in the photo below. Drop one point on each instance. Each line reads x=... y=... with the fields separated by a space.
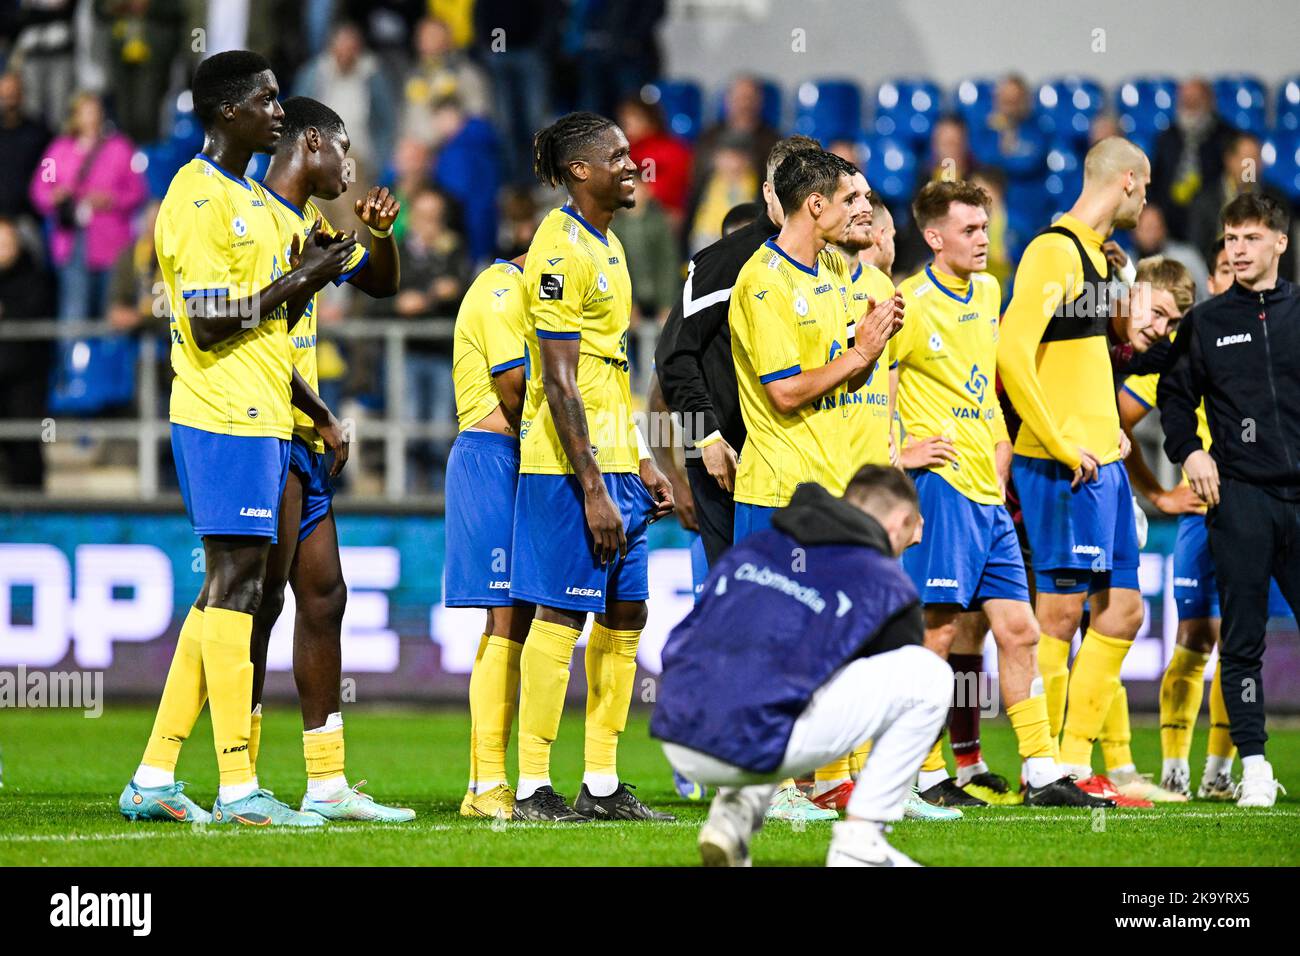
x=773 y=103
x=1281 y=155
x=973 y=99
x=907 y=108
x=1066 y=108
x=828 y=110
x=890 y=166
x=1288 y=105
x=1064 y=179
x=682 y=103
x=1240 y=99
x=1146 y=108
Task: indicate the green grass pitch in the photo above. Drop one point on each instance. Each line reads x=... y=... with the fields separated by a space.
x=63 y=773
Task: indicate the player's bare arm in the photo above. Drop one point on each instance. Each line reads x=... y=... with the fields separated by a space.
x=1180 y=500
x=381 y=275
x=305 y=399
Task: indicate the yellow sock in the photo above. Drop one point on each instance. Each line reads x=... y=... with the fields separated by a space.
x=1181 y=690
x=493 y=690
x=1220 y=744
x=543 y=679
x=1094 y=679
x=182 y=698
x=323 y=752
x=934 y=759
x=229 y=673
x=1117 y=733
x=1054 y=666
x=858 y=759
x=835 y=770
x=611 y=676
x=475 y=678
x=254 y=736
x=1029 y=721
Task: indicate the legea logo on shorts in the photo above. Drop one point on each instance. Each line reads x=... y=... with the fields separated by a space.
x=940 y=583
x=1086 y=549
x=1187 y=582
x=255 y=513
x=498 y=585
x=583 y=592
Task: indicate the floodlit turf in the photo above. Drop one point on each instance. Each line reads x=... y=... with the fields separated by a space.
x=63 y=773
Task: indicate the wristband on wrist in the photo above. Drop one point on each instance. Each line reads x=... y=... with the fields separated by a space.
x=378 y=234
x=711 y=438
x=643 y=451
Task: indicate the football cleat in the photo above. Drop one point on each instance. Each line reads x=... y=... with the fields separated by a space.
x=622 y=804
x=499 y=800
x=1177 y=780
x=1099 y=785
x=790 y=804
x=724 y=838
x=1218 y=787
x=1139 y=786
x=1064 y=792
x=160 y=803
x=992 y=789
x=546 y=806
x=261 y=809
x=863 y=843
x=1258 y=789
x=349 y=803
x=914 y=808
x=836 y=798
x=948 y=794
x=689 y=789
x=465 y=802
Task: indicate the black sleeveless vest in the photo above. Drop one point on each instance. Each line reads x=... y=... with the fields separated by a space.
x=1088 y=313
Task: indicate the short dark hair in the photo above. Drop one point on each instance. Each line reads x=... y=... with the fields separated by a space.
x=783 y=148
x=806 y=172
x=1212 y=254
x=936 y=197
x=1256 y=207
x=875 y=482
x=229 y=77
x=302 y=113
x=568 y=138
x=738 y=217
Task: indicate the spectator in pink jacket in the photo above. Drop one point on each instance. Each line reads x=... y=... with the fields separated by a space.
x=88 y=192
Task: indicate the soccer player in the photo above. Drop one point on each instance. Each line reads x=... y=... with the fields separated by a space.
x=588 y=488
x=880 y=253
x=794 y=367
x=1074 y=492
x=308 y=163
x=223 y=263
x=969 y=556
x=489 y=370
x=831 y=654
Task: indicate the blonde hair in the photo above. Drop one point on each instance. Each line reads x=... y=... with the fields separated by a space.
x=74 y=104
x=1112 y=157
x=1170 y=275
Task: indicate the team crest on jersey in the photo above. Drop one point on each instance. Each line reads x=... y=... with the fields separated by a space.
x=601 y=282
x=239 y=226
x=801 y=305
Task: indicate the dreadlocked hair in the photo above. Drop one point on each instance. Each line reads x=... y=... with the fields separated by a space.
x=563 y=141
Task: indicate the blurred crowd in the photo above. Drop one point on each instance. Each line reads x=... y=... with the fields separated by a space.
x=441 y=99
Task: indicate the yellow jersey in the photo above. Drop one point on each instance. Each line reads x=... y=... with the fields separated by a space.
x=490 y=329
x=1143 y=388
x=1054 y=356
x=218 y=236
x=947 y=357
x=869 y=406
x=786 y=317
x=303 y=333
x=577 y=287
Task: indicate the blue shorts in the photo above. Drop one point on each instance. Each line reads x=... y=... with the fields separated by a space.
x=968 y=552
x=750 y=519
x=317 y=490
x=554 y=553
x=231 y=484
x=1195 y=589
x=1081 y=539
x=482 y=471
x=699 y=565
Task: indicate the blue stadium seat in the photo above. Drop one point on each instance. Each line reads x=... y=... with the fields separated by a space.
x=1281 y=154
x=682 y=103
x=1146 y=108
x=828 y=110
x=1064 y=178
x=1241 y=102
x=1288 y=105
x=1066 y=107
x=973 y=100
x=907 y=108
x=890 y=167
x=772 y=104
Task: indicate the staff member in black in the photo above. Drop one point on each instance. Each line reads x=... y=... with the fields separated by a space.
x=696 y=371
x=1240 y=352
